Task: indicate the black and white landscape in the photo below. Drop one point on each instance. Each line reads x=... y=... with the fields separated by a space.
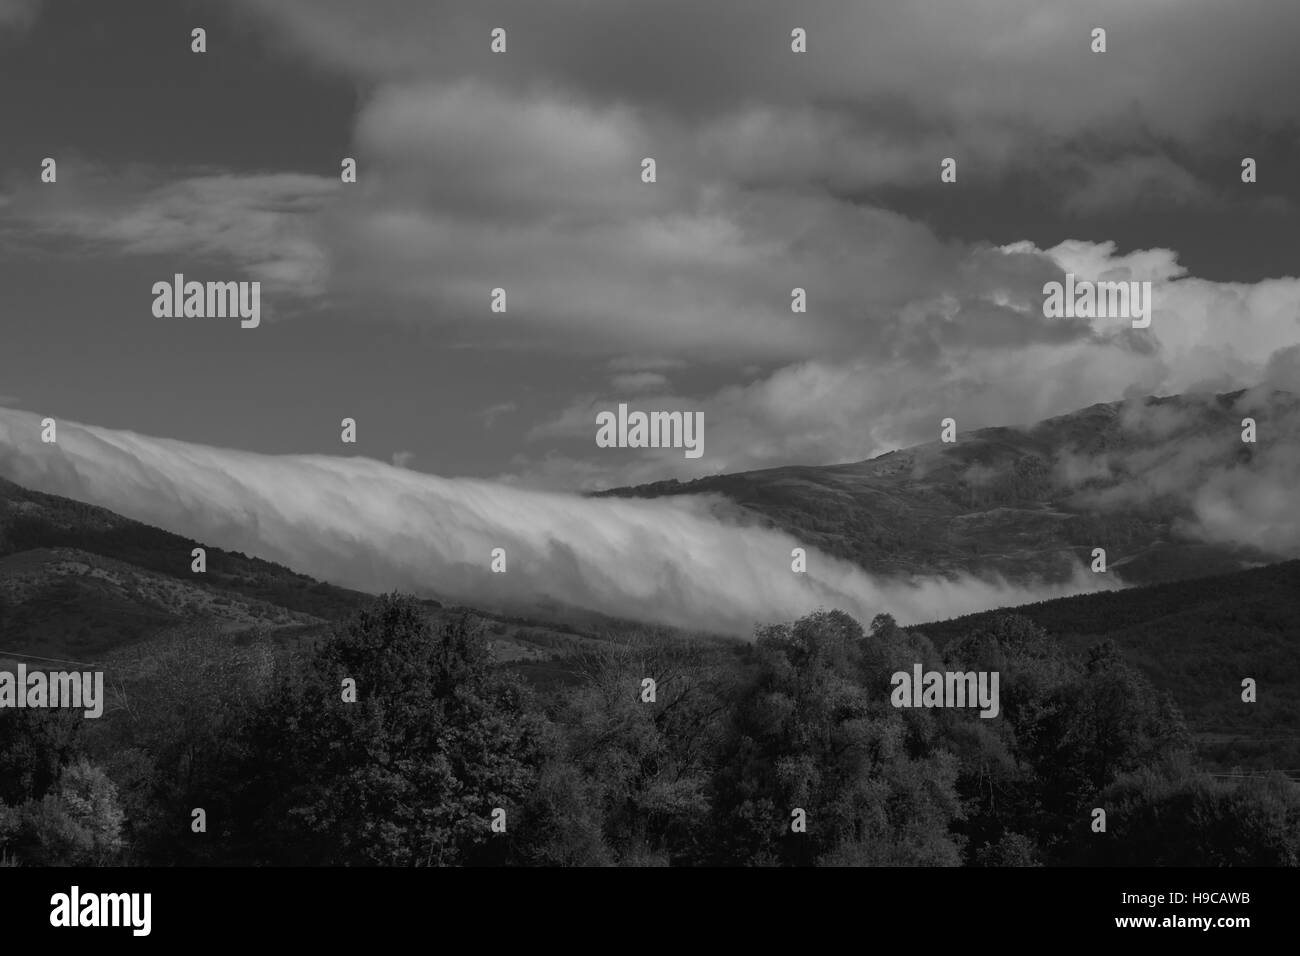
x=649 y=433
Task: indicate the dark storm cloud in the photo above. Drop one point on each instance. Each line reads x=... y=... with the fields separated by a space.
x=1175 y=67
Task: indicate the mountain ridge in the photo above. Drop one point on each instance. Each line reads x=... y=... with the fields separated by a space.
x=1019 y=503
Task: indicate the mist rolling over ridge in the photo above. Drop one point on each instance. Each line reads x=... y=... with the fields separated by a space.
x=368 y=525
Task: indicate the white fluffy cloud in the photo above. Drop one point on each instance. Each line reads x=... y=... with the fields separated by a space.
x=947 y=358
x=1230 y=492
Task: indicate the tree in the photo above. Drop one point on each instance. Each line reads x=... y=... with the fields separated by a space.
x=35 y=744
x=408 y=774
x=1106 y=721
x=1169 y=815
x=78 y=823
x=177 y=740
x=646 y=763
x=806 y=735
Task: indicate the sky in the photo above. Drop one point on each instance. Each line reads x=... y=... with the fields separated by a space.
x=522 y=170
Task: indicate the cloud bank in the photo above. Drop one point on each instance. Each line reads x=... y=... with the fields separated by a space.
x=981 y=353
x=364 y=524
x=1188 y=455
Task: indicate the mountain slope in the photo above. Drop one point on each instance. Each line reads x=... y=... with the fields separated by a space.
x=66 y=603
x=77 y=580
x=31 y=519
x=1197 y=640
x=1033 y=502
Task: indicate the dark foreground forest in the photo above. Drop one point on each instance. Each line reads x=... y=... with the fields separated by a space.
x=213 y=752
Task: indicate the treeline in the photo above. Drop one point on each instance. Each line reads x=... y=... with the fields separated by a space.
x=659 y=752
x=1198 y=640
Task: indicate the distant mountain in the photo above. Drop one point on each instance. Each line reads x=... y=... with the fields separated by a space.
x=1023 y=503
